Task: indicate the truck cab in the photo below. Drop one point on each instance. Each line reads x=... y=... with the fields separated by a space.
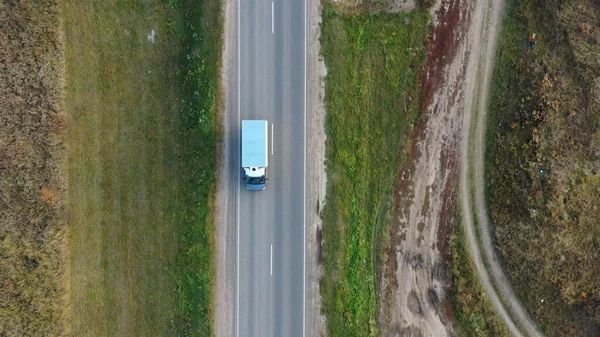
x=256 y=179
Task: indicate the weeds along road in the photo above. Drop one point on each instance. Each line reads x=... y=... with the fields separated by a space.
x=471 y=185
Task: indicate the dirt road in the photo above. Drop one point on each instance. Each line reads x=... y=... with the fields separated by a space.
x=415 y=280
x=493 y=279
x=460 y=58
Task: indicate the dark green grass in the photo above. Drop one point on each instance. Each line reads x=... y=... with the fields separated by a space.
x=372 y=96
x=195 y=269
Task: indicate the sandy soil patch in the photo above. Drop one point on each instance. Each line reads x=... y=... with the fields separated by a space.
x=315 y=170
x=415 y=282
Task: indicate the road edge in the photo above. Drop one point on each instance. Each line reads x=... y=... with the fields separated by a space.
x=316 y=179
x=225 y=210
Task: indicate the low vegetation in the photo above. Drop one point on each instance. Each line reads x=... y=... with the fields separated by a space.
x=142 y=96
x=474 y=314
x=198 y=80
x=373 y=66
x=130 y=126
x=32 y=184
x=543 y=159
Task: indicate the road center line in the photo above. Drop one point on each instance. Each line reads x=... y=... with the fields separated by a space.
x=272 y=17
x=271 y=260
x=272 y=142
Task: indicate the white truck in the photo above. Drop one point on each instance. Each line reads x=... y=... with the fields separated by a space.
x=255 y=153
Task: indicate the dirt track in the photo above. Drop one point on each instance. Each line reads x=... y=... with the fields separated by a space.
x=415 y=278
x=460 y=58
x=495 y=282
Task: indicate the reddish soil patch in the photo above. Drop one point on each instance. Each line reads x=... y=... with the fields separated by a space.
x=447 y=213
x=440 y=48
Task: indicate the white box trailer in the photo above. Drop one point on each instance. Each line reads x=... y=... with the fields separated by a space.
x=255 y=153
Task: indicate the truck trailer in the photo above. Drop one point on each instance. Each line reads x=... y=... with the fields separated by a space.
x=255 y=153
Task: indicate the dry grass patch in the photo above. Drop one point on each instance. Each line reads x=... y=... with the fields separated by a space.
x=32 y=226
x=543 y=161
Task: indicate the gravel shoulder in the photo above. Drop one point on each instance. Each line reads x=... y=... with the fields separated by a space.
x=316 y=179
x=225 y=208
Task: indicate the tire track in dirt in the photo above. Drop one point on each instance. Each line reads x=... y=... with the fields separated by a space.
x=414 y=284
x=413 y=301
x=471 y=187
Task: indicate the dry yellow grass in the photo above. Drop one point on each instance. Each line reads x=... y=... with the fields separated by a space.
x=544 y=162
x=32 y=181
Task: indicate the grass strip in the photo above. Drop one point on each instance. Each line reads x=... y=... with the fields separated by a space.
x=200 y=64
x=474 y=314
x=142 y=82
x=373 y=63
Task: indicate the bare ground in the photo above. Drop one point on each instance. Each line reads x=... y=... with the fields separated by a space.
x=315 y=167
x=414 y=285
x=225 y=195
x=461 y=46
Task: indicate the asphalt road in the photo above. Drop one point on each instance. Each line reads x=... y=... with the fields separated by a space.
x=270 y=224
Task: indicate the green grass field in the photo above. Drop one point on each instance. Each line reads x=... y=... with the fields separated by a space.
x=542 y=160
x=373 y=64
x=141 y=164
